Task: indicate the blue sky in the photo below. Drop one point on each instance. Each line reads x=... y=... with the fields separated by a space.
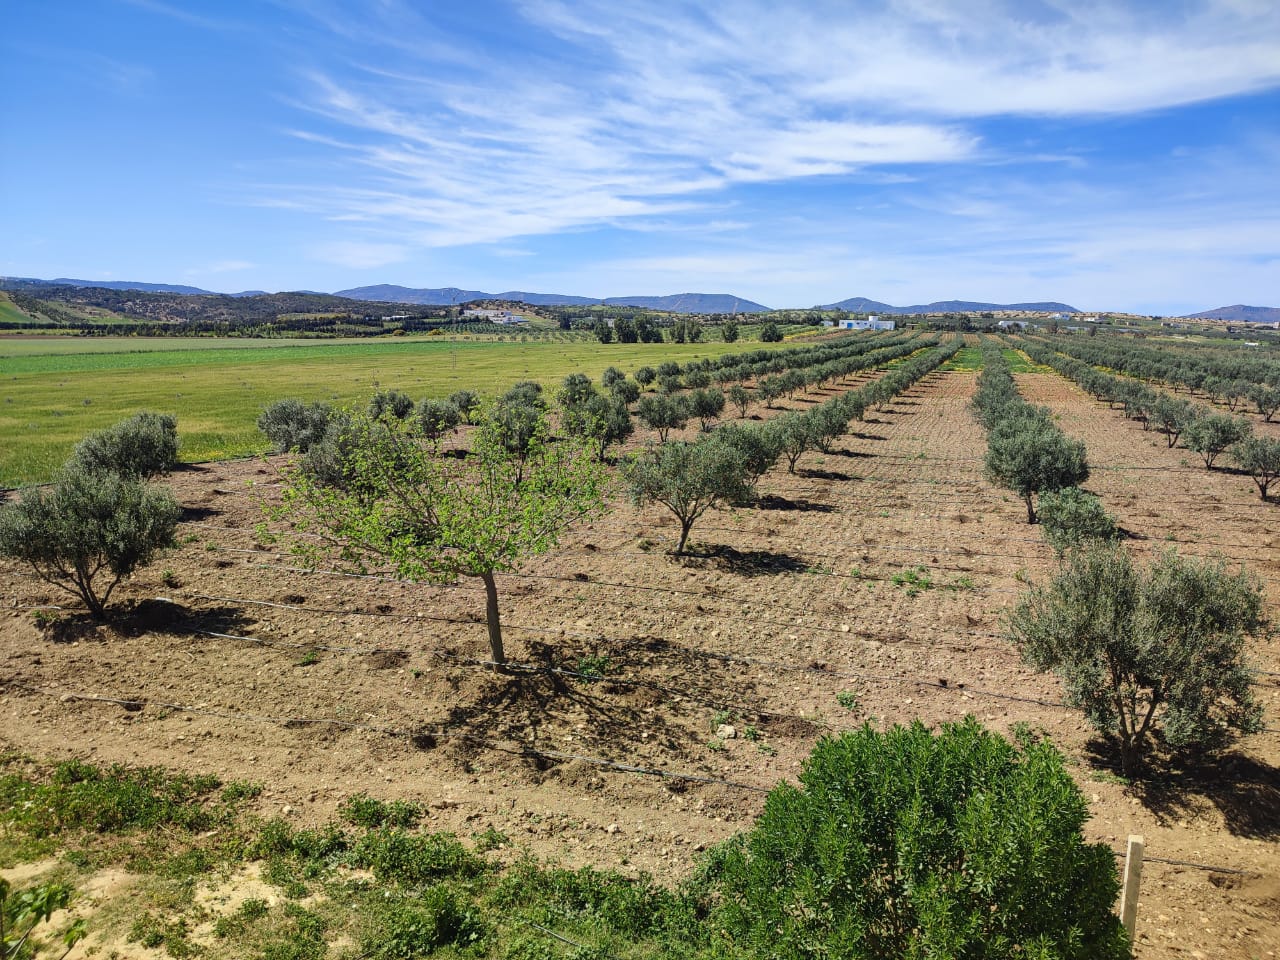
x=1111 y=155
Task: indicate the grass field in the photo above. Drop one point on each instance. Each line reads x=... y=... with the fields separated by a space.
x=54 y=391
x=9 y=312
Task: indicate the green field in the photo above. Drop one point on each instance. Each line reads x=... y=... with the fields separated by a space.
x=53 y=391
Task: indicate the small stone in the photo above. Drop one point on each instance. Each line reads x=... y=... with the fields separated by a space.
x=286 y=810
x=844 y=628
x=611 y=828
x=726 y=731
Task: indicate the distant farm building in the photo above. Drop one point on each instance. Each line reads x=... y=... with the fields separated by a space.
x=495 y=316
x=870 y=323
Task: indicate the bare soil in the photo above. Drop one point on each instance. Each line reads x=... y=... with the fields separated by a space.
x=881 y=570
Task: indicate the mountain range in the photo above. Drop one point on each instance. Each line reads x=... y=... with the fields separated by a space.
x=443 y=296
x=1239 y=313
x=863 y=305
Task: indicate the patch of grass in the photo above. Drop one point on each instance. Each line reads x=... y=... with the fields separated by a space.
x=363 y=810
x=914 y=579
x=966 y=360
x=594 y=668
x=847 y=699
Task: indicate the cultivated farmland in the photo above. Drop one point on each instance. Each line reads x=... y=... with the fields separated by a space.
x=662 y=696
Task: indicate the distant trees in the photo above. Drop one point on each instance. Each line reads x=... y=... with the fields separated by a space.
x=729 y=331
x=769 y=333
x=89 y=530
x=1147 y=652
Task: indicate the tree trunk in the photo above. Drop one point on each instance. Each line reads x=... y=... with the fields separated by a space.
x=496 y=653
x=685 y=526
x=1031 y=508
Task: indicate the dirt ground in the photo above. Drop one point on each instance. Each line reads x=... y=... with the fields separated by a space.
x=881 y=571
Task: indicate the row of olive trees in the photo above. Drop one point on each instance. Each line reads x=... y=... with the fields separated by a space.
x=101 y=518
x=1198 y=428
x=1026 y=452
x=721 y=468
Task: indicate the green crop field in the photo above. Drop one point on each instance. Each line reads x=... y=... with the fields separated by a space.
x=53 y=391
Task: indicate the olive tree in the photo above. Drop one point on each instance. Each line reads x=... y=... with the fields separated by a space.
x=431 y=518
x=390 y=404
x=663 y=413
x=292 y=425
x=1212 y=433
x=794 y=437
x=1030 y=454
x=144 y=445
x=741 y=398
x=688 y=479
x=1071 y=517
x=466 y=402
x=1171 y=415
x=437 y=417
x=89 y=531
x=516 y=419
x=706 y=404
x=1267 y=399
x=1147 y=652
x=769 y=333
x=603 y=421
x=1260 y=458
x=915 y=844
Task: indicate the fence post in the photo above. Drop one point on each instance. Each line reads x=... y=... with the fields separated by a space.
x=1132 y=881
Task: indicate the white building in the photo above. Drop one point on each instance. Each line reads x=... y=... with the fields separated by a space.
x=871 y=323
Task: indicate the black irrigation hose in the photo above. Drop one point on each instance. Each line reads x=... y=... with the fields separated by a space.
x=497 y=746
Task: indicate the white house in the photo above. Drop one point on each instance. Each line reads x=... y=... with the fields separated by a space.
x=871 y=323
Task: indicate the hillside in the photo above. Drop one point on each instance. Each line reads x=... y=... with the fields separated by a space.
x=444 y=296
x=863 y=305
x=1240 y=313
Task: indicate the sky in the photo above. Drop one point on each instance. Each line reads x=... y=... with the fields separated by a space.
x=1110 y=155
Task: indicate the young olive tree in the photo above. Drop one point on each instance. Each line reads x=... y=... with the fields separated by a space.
x=1260 y=458
x=741 y=398
x=1071 y=518
x=432 y=518
x=688 y=479
x=437 y=418
x=466 y=402
x=390 y=404
x=1211 y=434
x=1030 y=454
x=292 y=425
x=706 y=404
x=600 y=420
x=1147 y=651
x=89 y=531
x=911 y=844
x=144 y=445
x=663 y=413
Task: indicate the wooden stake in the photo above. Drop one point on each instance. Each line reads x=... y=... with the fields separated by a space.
x=1132 y=881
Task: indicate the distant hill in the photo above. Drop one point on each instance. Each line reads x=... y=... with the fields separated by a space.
x=1240 y=314
x=691 y=303
x=863 y=305
x=131 y=285
x=443 y=296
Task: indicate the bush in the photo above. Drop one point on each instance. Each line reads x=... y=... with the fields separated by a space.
x=390 y=404
x=1071 y=517
x=466 y=404
x=1147 y=652
x=663 y=413
x=414 y=859
x=770 y=333
x=145 y=445
x=706 y=404
x=406 y=929
x=437 y=417
x=89 y=531
x=645 y=376
x=291 y=424
x=915 y=845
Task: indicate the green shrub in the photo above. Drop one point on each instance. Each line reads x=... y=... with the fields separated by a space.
x=907 y=844
x=1071 y=517
x=145 y=445
x=363 y=810
x=89 y=531
x=437 y=417
x=414 y=859
x=291 y=424
x=406 y=929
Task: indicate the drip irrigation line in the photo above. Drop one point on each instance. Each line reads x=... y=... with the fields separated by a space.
x=497 y=746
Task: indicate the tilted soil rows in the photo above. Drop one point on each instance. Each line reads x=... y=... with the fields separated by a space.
x=902 y=497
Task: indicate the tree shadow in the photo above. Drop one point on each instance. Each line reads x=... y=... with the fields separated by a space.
x=813 y=473
x=176 y=619
x=1244 y=789
x=196 y=514
x=749 y=563
x=772 y=501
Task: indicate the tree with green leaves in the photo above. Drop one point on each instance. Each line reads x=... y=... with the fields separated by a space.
x=466 y=403
x=663 y=412
x=292 y=425
x=1171 y=415
x=769 y=333
x=390 y=404
x=915 y=844
x=1266 y=398
x=1147 y=652
x=1071 y=518
x=707 y=405
x=1260 y=458
x=794 y=437
x=1211 y=434
x=437 y=418
x=645 y=376
x=601 y=420
x=516 y=418
x=21 y=911
x=144 y=445
x=729 y=331
x=688 y=479
x=1030 y=455
x=741 y=398
x=89 y=531
x=432 y=518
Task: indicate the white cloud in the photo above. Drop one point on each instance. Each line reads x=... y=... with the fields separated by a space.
x=360 y=254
